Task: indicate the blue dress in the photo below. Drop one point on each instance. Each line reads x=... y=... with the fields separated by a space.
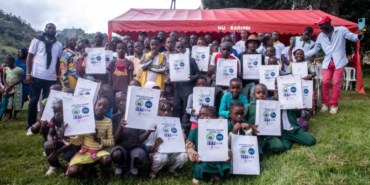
x=26 y=88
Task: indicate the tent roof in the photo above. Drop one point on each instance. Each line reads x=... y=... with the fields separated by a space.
x=220 y=21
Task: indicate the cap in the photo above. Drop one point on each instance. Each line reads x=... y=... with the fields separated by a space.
x=142 y=33
x=323 y=20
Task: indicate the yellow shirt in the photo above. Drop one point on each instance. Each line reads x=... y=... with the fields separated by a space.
x=138 y=71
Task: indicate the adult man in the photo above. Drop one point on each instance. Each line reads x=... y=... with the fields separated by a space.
x=332 y=40
x=279 y=47
x=98 y=40
x=142 y=37
x=303 y=42
x=193 y=40
x=42 y=67
x=240 y=45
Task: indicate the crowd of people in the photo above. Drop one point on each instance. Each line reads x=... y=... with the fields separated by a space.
x=47 y=65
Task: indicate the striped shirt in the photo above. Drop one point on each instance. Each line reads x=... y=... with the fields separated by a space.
x=104 y=132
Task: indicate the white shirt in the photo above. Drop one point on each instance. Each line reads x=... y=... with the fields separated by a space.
x=150 y=75
x=286 y=123
x=335 y=48
x=279 y=47
x=259 y=49
x=240 y=46
x=299 y=43
x=39 y=69
x=151 y=139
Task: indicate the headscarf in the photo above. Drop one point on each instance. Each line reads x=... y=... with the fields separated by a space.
x=151 y=84
x=236 y=37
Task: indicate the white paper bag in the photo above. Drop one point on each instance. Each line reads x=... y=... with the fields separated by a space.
x=245 y=159
x=268 y=118
x=87 y=88
x=300 y=68
x=268 y=73
x=187 y=52
x=95 y=61
x=226 y=70
x=290 y=91
x=251 y=66
x=115 y=55
x=169 y=129
x=54 y=96
x=203 y=96
x=142 y=107
x=201 y=56
x=267 y=60
x=307 y=88
x=212 y=140
x=108 y=56
x=179 y=67
x=78 y=113
x=213 y=59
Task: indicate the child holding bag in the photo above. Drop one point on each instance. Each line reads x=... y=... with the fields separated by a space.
x=93 y=145
x=200 y=82
x=299 y=57
x=217 y=170
x=174 y=161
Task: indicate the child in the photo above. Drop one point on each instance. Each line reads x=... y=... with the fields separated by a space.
x=130 y=49
x=54 y=145
x=153 y=64
x=270 y=51
x=216 y=169
x=93 y=145
x=202 y=42
x=106 y=89
x=234 y=94
x=170 y=46
x=12 y=79
x=299 y=57
x=228 y=38
x=200 y=82
x=226 y=49
x=271 y=143
x=174 y=161
x=291 y=131
x=266 y=42
x=146 y=45
x=136 y=60
x=135 y=83
x=109 y=45
x=127 y=152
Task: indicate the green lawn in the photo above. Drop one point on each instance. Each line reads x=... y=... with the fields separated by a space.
x=341 y=155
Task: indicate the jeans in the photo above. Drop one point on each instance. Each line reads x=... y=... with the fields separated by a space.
x=65 y=155
x=327 y=75
x=35 y=91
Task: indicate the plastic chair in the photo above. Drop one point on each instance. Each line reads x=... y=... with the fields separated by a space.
x=348 y=77
x=318 y=69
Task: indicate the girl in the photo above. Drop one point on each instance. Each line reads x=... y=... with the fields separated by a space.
x=174 y=161
x=93 y=145
x=216 y=169
x=127 y=152
x=266 y=42
x=299 y=57
x=12 y=77
x=69 y=76
x=21 y=62
x=200 y=82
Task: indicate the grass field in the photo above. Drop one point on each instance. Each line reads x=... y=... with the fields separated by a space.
x=341 y=155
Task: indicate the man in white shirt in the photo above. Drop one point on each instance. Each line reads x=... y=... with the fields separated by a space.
x=279 y=47
x=240 y=45
x=42 y=68
x=332 y=40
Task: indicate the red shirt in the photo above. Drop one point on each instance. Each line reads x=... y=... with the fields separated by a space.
x=230 y=57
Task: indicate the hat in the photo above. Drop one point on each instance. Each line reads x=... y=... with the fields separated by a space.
x=324 y=19
x=252 y=37
x=143 y=33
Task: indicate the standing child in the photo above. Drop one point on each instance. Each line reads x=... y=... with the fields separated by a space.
x=299 y=57
x=234 y=94
x=146 y=45
x=168 y=89
x=127 y=152
x=217 y=170
x=130 y=49
x=200 y=82
x=93 y=145
x=174 y=161
x=136 y=60
x=12 y=78
x=54 y=145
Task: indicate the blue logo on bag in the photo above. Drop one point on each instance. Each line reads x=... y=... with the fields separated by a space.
x=255 y=63
x=85 y=110
x=273 y=114
x=173 y=130
x=148 y=104
x=168 y=70
x=306 y=91
x=231 y=70
x=107 y=59
x=87 y=93
x=293 y=89
x=182 y=64
x=272 y=73
x=251 y=151
x=219 y=137
x=207 y=100
x=98 y=58
x=203 y=56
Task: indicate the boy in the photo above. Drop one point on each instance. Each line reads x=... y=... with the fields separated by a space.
x=269 y=142
x=136 y=60
x=235 y=88
x=227 y=38
x=153 y=64
x=130 y=49
x=303 y=42
x=279 y=48
x=200 y=82
x=240 y=45
x=226 y=49
x=54 y=145
x=135 y=83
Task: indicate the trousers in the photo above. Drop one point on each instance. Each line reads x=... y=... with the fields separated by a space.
x=172 y=161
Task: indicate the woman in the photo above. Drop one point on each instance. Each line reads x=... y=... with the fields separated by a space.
x=21 y=62
x=68 y=76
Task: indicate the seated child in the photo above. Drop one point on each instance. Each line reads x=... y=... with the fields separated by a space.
x=54 y=145
x=299 y=57
x=135 y=83
x=93 y=145
x=107 y=89
x=127 y=152
x=235 y=88
x=217 y=170
x=271 y=143
x=200 y=82
x=291 y=131
x=159 y=160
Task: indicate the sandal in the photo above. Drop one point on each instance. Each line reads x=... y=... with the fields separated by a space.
x=175 y=174
x=153 y=175
x=195 y=181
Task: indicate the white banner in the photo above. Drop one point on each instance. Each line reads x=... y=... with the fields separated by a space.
x=268 y=118
x=300 y=68
x=203 y=96
x=142 y=107
x=212 y=140
x=87 y=88
x=201 y=56
x=245 y=159
x=290 y=91
x=179 y=65
x=225 y=71
x=169 y=129
x=95 y=61
x=307 y=88
x=54 y=96
x=251 y=66
x=268 y=73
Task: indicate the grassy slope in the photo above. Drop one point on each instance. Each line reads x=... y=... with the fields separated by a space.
x=341 y=155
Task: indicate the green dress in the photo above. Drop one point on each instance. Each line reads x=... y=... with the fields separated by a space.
x=15 y=101
x=221 y=168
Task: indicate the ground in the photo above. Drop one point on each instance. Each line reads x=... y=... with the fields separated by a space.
x=341 y=155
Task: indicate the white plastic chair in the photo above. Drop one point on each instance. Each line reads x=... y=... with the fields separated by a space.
x=348 y=77
x=318 y=69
